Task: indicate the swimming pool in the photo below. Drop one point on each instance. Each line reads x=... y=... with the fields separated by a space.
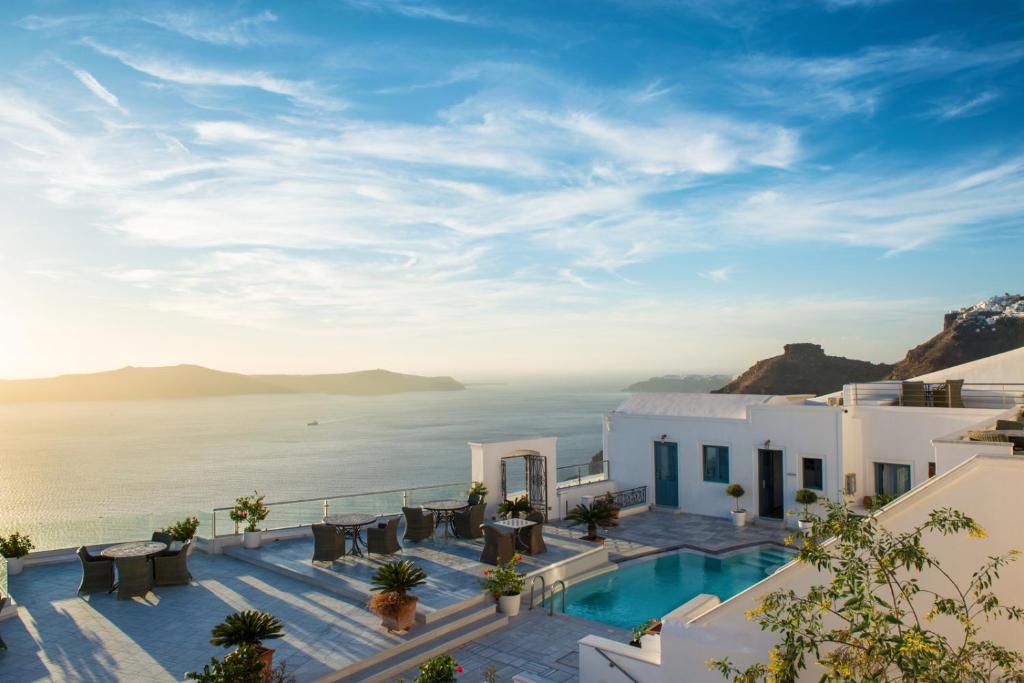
x=653 y=588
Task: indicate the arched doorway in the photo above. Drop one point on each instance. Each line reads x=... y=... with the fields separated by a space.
x=533 y=478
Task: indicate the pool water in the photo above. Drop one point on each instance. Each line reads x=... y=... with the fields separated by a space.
x=653 y=588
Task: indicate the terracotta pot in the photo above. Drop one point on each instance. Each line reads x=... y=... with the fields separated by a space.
x=509 y=604
x=267 y=657
x=252 y=539
x=404 y=618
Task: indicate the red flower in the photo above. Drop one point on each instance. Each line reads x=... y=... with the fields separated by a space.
x=458 y=669
x=487 y=572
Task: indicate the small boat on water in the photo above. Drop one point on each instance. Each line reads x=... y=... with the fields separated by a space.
x=314 y=423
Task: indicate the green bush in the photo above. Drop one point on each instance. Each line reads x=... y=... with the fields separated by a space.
x=183 y=530
x=441 y=669
x=512 y=507
x=15 y=545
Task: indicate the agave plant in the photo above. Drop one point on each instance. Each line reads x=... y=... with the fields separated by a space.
x=595 y=515
x=399 y=577
x=250 y=627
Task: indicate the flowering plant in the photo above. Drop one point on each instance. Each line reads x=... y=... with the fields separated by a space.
x=183 y=530
x=440 y=669
x=249 y=510
x=504 y=579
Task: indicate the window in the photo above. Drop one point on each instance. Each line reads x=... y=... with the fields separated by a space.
x=716 y=464
x=892 y=480
x=813 y=477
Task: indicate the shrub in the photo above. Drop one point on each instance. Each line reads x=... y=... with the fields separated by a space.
x=512 y=507
x=504 y=579
x=183 y=530
x=735 y=491
x=249 y=510
x=595 y=515
x=15 y=545
x=872 y=618
x=440 y=669
x=241 y=666
x=806 y=497
x=250 y=627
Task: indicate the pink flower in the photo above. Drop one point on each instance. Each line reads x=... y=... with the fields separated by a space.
x=487 y=572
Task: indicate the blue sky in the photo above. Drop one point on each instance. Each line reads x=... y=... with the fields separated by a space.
x=479 y=188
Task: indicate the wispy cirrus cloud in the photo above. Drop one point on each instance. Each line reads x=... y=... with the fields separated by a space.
x=240 y=32
x=414 y=10
x=718 y=275
x=175 y=71
x=970 y=106
x=96 y=88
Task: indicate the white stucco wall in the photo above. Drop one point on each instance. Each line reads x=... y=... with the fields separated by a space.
x=899 y=435
x=985 y=488
x=485 y=460
x=1002 y=367
x=798 y=431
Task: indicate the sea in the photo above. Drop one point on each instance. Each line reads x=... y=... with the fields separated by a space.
x=93 y=472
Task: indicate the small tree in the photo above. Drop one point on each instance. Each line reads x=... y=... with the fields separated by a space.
x=249 y=510
x=736 y=492
x=183 y=530
x=806 y=497
x=16 y=545
x=595 y=515
x=872 y=620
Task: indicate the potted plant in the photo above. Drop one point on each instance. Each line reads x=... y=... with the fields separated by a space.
x=183 y=531
x=645 y=633
x=806 y=497
x=518 y=507
x=250 y=510
x=477 y=493
x=392 y=602
x=595 y=515
x=505 y=584
x=609 y=500
x=15 y=547
x=440 y=669
x=249 y=629
x=739 y=515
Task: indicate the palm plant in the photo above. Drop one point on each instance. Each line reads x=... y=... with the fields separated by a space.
x=399 y=576
x=250 y=627
x=514 y=506
x=598 y=514
x=478 y=492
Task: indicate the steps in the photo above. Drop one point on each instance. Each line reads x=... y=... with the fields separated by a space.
x=458 y=627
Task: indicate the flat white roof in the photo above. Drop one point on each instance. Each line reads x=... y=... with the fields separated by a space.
x=696 y=405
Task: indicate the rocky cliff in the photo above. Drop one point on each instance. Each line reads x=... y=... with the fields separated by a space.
x=804 y=369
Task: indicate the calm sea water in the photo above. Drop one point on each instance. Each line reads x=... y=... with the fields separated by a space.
x=89 y=472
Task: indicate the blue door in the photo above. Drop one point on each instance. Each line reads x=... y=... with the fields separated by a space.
x=666 y=474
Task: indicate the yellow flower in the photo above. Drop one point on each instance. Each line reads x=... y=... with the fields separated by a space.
x=977 y=532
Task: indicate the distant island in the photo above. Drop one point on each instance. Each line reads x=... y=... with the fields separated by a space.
x=194 y=381
x=681 y=384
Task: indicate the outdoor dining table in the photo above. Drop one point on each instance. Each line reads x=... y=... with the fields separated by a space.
x=123 y=551
x=351 y=523
x=515 y=523
x=445 y=511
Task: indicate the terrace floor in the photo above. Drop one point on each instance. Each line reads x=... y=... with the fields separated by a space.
x=659 y=531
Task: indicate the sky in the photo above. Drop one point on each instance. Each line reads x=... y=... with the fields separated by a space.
x=487 y=189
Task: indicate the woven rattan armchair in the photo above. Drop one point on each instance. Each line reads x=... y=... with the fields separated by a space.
x=134 y=576
x=3 y=603
x=467 y=522
x=383 y=539
x=499 y=546
x=171 y=569
x=328 y=543
x=419 y=524
x=97 y=573
x=531 y=538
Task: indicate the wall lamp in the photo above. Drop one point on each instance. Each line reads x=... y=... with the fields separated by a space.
x=767 y=444
x=663 y=437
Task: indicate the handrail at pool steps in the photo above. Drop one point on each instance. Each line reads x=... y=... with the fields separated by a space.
x=306 y=511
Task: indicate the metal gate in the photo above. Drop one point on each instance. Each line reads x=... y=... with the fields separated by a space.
x=536 y=466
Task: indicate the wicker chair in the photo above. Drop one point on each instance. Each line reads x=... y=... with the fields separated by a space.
x=531 y=538
x=499 y=546
x=949 y=395
x=912 y=395
x=328 y=543
x=97 y=573
x=3 y=603
x=166 y=539
x=383 y=539
x=467 y=522
x=419 y=524
x=171 y=569
x=134 y=576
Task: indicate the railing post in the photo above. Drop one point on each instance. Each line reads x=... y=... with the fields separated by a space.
x=405 y=499
x=213 y=526
x=326 y=508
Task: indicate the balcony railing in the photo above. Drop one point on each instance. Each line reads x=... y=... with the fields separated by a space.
x=630 y=497
x=584 y=473
x=936 y=395
x=306 y=511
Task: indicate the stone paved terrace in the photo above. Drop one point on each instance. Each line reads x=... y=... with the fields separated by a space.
x=60 y=636
x=533 y=642
x=452 y=565
x=647 y=533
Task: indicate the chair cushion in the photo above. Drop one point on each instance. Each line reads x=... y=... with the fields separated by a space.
x=1009 y=424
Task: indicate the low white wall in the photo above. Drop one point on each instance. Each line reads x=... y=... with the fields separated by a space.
x=641 y=664
x=1002 y=367
x=569 y=496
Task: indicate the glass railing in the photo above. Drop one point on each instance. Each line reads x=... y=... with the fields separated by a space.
x=584 y=473
x=292 y=513
x=71 y=533
x=3 y=576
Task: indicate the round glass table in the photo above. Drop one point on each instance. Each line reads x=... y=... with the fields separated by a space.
x=350 y=524
x=445 y=511
x=138 y=549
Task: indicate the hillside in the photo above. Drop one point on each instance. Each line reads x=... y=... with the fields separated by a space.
x=685 y=384
x=989 y=327
x=193 y=381
x=804 y=369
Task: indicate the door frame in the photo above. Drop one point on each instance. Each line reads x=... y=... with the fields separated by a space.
x=782 y=478
x=654 y=473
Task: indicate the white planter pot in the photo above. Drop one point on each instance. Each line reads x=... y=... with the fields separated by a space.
x=15 y=565
x=805 y=526
x=509 y=604
x=739 y=518
x=252 y=539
